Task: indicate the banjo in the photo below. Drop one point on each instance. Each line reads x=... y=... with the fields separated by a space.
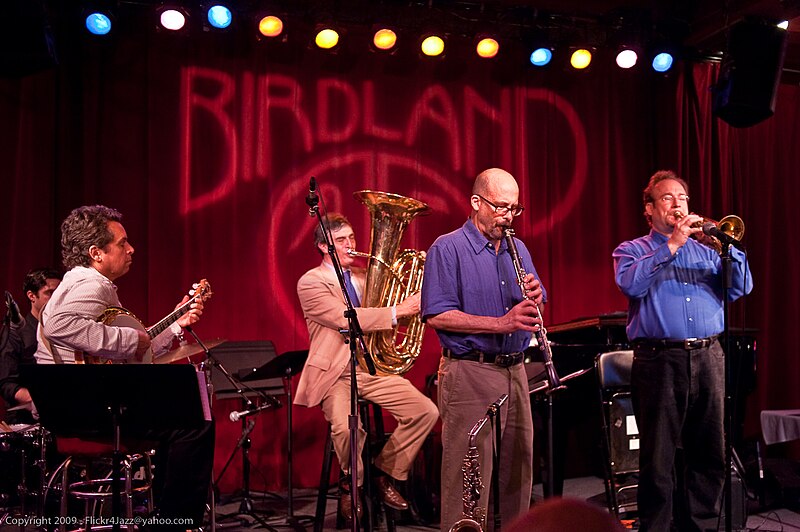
x=120 y=317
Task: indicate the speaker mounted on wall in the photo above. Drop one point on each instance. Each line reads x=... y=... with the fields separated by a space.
x=747 y=85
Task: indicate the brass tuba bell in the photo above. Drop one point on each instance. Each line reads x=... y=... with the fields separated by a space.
x=392 y=276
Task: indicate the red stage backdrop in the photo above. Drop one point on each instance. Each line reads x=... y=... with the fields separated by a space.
x=207 y=149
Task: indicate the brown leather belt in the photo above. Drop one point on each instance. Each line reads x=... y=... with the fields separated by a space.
x=688 y=344
x=504 y=360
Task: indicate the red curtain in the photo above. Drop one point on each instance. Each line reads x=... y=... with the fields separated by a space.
x=207 y=149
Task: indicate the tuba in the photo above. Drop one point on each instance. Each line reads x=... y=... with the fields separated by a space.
x=391 y=277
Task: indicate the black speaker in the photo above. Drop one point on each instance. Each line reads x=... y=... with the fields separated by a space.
x=747 y=85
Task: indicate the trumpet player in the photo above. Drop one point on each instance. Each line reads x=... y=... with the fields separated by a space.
x=675 y=314
x=470 y=295
x=325 y=379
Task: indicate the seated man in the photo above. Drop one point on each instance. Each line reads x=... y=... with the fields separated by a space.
x=21 y=344
x=96 y=251
x=326 y=376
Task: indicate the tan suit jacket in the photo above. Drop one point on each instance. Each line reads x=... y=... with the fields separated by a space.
x=323 y=308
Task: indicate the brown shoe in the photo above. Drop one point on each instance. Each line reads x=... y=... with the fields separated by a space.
x=389 y=494
x=345 y=504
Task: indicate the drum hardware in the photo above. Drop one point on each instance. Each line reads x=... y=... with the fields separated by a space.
x=186 y=351
x=25 y=472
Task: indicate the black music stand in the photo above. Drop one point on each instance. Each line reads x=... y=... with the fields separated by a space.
x=105 y=400
x=240 y=359
x=285 y=367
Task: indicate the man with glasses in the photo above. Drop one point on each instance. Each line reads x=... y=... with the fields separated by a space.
x=674 y=289
x=470 y=296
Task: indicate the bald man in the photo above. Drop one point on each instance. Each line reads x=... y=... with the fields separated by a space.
x=471 y=297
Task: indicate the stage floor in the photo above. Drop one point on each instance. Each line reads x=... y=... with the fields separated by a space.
x=271 y=509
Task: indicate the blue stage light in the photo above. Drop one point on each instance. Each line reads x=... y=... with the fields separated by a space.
x=98 y=24
x=662 y=62
x=220 y=16
x=541 y=56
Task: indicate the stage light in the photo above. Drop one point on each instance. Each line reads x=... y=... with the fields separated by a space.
x=541 y=56
x=172 y=19
x=432 y=46
x=327 y=38
x=270 y=26
x=784 y=25
x=219 y=16
x=580 y=59
x=627 y=58
x=487 y=47
x=98 y=23
x=384 y=39
x=662 y=62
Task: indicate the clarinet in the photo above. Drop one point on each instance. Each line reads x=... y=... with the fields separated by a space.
x=553 y=382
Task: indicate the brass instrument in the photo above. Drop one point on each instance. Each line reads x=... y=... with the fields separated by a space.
x=731 y=225
x=474 y=517
x=391 y=277
x=553 y=381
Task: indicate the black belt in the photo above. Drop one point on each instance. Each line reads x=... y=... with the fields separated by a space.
x=688 y=344
x=504 y=360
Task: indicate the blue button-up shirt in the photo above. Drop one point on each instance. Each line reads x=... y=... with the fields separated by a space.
x=676 y=296
x=463 y=272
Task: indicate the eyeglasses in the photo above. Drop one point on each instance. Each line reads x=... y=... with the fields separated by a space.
x=502 y=210
x=669 y=198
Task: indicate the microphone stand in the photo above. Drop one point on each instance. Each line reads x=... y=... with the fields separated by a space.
x=246 y=506
x=494 y=412
x=728 y=417
x=355 y=338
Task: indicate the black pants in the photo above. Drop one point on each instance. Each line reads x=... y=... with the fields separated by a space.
x=183 y=463
x=678 y=400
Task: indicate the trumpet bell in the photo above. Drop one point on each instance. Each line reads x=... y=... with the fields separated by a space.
x=732 y=226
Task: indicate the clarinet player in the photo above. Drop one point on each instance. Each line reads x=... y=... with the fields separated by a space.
x=471 y=297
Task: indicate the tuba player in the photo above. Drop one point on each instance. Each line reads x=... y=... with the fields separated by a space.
x=325 y=379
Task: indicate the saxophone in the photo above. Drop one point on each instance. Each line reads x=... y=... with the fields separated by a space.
x=553 y=381
x=474 y=517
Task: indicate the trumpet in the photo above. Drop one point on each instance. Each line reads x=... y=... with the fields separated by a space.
x=731 y=225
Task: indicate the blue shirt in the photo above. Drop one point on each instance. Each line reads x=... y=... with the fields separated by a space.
x=463 y=272
x=676 y=296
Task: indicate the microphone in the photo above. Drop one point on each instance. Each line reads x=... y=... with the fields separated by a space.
x=312 y=199
x=711 y=229
x=236 y=416
x=13 y=315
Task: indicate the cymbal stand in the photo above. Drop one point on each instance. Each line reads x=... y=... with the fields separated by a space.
x=246 y=505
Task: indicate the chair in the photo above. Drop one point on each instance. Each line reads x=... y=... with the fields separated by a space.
x=375 y=441
x=620 y=434
x=95 y=491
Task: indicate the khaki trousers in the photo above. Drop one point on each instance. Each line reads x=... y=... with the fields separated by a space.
x=415 y=414
x=466 y=390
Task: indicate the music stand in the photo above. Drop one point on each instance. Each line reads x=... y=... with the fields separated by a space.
x=241 y=359
x=102 y=400
x=284 y=366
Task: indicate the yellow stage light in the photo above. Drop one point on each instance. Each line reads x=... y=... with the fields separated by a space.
x=432 y=46
x=270 y=26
